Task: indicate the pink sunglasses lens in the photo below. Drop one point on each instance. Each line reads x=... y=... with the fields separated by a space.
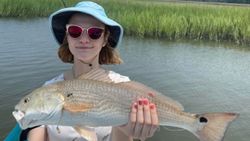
x=95 y=33
x=74 y=31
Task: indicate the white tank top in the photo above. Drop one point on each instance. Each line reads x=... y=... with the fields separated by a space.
x=68 y=133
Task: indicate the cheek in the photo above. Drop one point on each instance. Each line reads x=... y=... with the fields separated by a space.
x=70 y=42
x=100 y=44
x=71 y=45
x=71 y=49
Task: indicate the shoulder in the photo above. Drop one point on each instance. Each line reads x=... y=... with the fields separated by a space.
x=117 y=78
x=55 y=79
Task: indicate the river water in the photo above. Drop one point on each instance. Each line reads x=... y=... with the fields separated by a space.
x=204 y=77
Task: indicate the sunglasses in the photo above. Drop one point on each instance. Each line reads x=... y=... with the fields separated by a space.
x=76 y=31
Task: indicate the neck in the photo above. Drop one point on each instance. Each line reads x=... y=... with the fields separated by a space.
x=81 y=67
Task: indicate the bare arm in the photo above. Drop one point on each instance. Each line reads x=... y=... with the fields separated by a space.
x=37 y=134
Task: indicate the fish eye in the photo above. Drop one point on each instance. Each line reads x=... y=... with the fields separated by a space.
x=26 y=100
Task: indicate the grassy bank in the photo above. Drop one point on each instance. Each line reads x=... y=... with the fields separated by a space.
x=170 y=21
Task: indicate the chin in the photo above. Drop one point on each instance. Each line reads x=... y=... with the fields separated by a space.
x=86 y=59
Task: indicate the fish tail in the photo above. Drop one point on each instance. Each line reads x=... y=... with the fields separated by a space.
x=212 y=126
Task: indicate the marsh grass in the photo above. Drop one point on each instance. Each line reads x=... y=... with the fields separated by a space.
x=169 y=21
x=31 y=8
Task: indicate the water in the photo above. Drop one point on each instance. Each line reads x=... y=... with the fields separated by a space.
x=204 y=77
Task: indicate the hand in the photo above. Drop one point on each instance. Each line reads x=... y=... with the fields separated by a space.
x=143 y=120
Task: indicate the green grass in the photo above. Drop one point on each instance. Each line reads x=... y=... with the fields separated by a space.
x=166 y=20
x=30 y=8
x=174 y=21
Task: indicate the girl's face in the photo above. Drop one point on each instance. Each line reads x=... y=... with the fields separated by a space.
x=85 y=36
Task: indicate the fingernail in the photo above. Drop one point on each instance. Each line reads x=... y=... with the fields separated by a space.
x=140 y=102
x=135 y=106
x=145 y=101
x=152 y=106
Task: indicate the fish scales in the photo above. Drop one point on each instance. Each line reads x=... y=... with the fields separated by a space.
x=106 y=100
x=111 y=98
x=95 y=101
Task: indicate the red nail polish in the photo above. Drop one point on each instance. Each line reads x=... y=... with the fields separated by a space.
x=140 y=102
x=136 y=106
x=152 y=106
x=145 y=101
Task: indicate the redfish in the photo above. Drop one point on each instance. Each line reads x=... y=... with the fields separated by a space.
x=95 y=100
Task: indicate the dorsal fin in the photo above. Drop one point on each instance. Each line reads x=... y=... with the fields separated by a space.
x=103 y=75
x=97 y=74
x=151 y=92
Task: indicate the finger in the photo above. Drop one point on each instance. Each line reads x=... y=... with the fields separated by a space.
x=132 y=121
x=133 y=112
x=152 y=131
x=154 y=116
x=147 y=119
x=154 y=119
x=128 y=128
x=139 y=119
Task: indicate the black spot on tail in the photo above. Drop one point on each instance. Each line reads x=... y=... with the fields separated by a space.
x=203 y=120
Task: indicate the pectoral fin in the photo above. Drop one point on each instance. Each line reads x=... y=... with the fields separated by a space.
x=87 y=133
x=77 y=107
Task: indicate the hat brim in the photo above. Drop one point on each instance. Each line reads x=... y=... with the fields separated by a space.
x=60 y=18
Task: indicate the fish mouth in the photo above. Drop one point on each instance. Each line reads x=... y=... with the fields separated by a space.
x=27 y=120
x=18 y=114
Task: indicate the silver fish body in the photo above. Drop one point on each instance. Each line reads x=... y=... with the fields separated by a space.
x=89 y=102
x=109 y=104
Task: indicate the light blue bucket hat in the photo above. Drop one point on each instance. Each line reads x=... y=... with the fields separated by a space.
x=60 y=18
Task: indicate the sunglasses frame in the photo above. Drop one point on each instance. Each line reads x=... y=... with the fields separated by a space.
x=83 y=29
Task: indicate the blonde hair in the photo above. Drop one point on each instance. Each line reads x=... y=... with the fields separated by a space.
x=108 y=55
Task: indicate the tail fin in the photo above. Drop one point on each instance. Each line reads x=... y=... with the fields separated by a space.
x=212 y=126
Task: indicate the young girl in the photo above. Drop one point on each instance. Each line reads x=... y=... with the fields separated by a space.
x=88 y=39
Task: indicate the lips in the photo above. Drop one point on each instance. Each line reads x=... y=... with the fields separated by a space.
x=84 y=47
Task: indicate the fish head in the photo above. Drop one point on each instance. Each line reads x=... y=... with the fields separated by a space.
x=39 y=107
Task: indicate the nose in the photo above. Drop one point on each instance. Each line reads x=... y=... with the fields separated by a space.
x=84 y=38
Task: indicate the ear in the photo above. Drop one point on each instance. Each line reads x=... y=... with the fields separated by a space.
x=106 y=38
